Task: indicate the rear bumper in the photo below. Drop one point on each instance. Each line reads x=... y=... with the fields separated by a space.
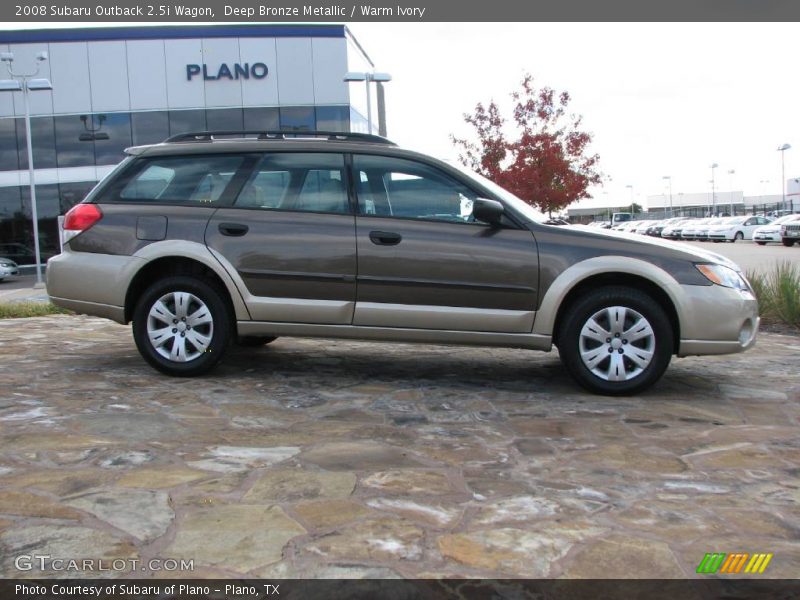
x=90 y=283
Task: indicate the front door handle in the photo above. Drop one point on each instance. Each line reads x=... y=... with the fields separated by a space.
x=385 y=238
x=233 y=229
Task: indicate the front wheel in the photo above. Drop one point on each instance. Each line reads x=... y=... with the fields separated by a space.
x=738 y=237
x=787 y=243
x=761 y=243
x=615 y=341
x=181 y=326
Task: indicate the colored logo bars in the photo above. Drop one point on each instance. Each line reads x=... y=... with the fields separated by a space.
x=719 y=562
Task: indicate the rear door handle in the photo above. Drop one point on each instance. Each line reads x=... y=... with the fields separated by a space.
x=385 y=238
x=233 y=229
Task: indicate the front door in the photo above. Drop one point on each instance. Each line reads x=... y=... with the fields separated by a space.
x=290 y=236
x=425 y=263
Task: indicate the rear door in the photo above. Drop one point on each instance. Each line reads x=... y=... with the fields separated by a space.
x=290 y=238
x=425 y=263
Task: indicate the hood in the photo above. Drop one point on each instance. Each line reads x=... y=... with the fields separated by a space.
x=690 y=253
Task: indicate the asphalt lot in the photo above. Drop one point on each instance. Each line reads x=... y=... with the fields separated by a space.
x=752 y=257
x=317 y=458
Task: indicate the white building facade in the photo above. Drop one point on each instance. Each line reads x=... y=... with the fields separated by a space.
x=120 y=87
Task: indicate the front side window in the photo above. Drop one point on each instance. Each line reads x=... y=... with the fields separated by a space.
x=396 y=187
x=179 y=179
x=307 y=182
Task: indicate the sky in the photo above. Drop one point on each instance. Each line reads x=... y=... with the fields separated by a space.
x=660 y=99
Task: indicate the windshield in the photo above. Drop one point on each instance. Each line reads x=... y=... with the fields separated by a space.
x=520 y=206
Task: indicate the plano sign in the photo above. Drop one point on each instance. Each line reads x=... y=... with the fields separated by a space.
x=236 y=71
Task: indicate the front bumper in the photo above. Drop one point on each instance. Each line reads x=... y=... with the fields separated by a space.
x=718 y=320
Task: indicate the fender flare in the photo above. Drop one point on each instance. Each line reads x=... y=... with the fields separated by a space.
x=603 y=265
x=202 y=254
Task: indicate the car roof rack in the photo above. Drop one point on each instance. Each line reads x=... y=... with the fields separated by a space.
x=334 y=136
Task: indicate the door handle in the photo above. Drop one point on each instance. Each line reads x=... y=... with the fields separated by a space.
x=233 y=229
x=385 y=238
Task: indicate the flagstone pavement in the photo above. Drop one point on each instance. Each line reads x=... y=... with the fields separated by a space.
x=326 y=459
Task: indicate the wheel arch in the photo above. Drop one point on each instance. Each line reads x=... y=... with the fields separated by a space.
x=182 y=258
x=605 y=271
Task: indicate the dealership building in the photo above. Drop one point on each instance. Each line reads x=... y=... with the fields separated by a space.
x=118 y=87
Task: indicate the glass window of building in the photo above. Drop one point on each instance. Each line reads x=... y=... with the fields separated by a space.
x=74 y=144
x=112 y=134
x=298 y=118
x=185 y=121
x=224 y=119
x=9 y=158
x=44 y=143
x=69 y=194
x=149 y=127
x=262 y=119
x=332 y=118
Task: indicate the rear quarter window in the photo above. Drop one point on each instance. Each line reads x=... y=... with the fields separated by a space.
x=195 y=179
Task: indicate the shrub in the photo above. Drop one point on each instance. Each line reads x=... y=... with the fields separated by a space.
x=778 y=293
x=16 y=310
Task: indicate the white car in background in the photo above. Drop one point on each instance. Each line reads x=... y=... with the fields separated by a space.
x=8 y=268
x=737 y=228
x=772 y=231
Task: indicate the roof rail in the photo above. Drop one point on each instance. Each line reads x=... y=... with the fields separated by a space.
x=340 y=136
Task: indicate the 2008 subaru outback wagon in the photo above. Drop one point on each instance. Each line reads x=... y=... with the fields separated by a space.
x=214 y=238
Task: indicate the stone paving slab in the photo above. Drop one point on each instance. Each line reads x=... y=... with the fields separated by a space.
x=319 y=458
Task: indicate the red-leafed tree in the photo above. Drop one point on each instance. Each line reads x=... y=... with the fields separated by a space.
x=546 y=164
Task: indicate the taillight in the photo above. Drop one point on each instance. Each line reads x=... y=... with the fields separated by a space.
x=81 y=216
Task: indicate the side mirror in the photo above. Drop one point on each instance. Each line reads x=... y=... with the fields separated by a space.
x=488 y=211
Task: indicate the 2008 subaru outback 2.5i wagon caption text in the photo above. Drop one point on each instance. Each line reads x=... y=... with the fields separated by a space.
x=210 y=239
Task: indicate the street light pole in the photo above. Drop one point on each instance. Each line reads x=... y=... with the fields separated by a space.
x=368 y=78
x=25 y=83
x=730 y=182
x=713 y=191
x=782 y=149
x=632 y=211
x=669 y=178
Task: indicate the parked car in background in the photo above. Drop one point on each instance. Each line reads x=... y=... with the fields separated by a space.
x=8 y=268
x=772 y=231
x=690 y=231
x=735 y=229
x=701 y=233
x=790 y=233
x=21 y=254
x=673 y=230
x=212 y=239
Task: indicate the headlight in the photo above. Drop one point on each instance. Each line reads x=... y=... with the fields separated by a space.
x=724 y=276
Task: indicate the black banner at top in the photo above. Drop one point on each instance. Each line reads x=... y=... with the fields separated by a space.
x=415 y=11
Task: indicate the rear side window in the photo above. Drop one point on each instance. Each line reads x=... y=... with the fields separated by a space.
x=308 y=182
x=198 y=179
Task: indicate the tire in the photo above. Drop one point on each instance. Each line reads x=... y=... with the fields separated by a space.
x=205 y=341
x=586 y=337
x=787 y=242
x=738 y=237
x=761 y=243
x=254 y=341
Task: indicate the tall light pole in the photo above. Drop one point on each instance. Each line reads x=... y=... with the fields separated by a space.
x=730 y=194
x=631 y=189
x=782 y=149
x=669 y=178
x=713 y=191
x=368 y=78
x=25 y=83
x=680 y=201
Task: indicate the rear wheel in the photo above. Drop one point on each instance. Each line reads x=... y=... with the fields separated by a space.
x=761 y=243
x=787 y=243
x=181 y=326
x=738 y=237
x=615 y=341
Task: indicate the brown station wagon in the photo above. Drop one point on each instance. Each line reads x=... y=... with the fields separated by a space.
x=212 y=238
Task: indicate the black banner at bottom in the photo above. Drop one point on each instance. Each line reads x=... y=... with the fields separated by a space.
x=398 y=589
